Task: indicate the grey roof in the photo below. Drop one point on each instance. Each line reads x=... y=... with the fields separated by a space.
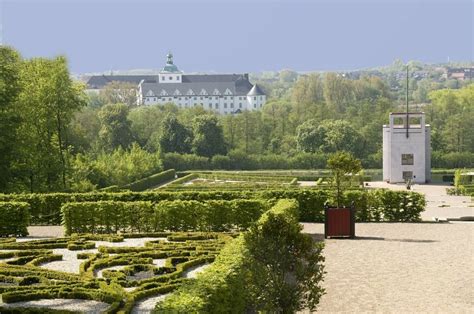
x=255 y=91
x=237 y=85
x=99 y=81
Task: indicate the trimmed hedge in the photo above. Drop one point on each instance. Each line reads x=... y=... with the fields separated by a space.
x=14 y=219
x=151 y=181
x=112 y=217
x=46 y=208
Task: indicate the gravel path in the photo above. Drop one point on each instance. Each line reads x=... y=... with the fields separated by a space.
x=193 y=271
x=86 y=306
x=399 y=268
x=148 y=304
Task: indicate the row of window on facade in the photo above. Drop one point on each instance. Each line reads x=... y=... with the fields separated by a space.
x=202 y=98
x=216 y=106
x=163 y=78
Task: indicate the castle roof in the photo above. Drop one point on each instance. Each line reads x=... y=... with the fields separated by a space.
x=209 y=84
x=255 y=91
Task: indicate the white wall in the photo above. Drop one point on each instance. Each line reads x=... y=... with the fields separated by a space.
x=396 y=143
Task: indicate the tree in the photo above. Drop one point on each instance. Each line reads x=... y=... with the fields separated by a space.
x=310 y=137
x=48 y=102
x=115 y=126
x=208 y=136
x=10 y=87
x=330 y=136
x=342 y=165
x=119 y=93
x=175 y=137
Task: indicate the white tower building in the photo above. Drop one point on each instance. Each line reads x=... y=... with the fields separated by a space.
x=406 y=148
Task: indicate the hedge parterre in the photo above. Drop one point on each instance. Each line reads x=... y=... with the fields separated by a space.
x=22 y=278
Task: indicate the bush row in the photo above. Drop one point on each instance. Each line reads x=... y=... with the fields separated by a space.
x=14 y=219
x=151 y=181
x=233 y=283
x=46 y=208
x=143 y=216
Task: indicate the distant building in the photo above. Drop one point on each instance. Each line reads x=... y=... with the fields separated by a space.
x=221 y=93
x=407 y=148
x=97 y=82
x=460 y=74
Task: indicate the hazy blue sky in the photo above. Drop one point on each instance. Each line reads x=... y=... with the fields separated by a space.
x=240 y=36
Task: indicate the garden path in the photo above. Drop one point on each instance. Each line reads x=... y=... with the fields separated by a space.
x=399 y=268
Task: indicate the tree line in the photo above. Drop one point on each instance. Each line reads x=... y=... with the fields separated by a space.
x=55 y=137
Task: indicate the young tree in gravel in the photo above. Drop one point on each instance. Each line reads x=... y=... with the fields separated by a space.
x=208 y=136
x=115 y=126
x=342 y=165
x=175 y=137
x=10 y=87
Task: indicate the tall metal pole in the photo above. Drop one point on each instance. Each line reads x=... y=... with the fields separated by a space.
x=407 y=122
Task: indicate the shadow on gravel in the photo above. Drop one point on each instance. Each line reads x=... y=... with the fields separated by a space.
x=394 y=240
x=320 y=237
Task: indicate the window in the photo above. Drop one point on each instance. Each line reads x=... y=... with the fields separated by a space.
x=210 y=106
x=407 y=159
x=162 y=78
x=195 y=98
x=225 y=105
x=240 y=105
x=202 y=98
x=255 y=105
x=407 y=175
x=177 y=78
x=232 y=105
x=171 y=78
x=255 y=98
x=217 y=106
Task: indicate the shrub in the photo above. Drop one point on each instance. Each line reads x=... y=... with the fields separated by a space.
x=180 y=215
x=106 y=217
x=14 y=219
x=238 y=282
x=151 y=181
x=285 y=265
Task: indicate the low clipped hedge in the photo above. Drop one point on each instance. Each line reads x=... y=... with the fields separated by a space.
x=14 y=219
x=144 y=216
x=151 y=181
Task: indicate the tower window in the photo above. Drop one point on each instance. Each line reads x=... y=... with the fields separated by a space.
x=407 y=159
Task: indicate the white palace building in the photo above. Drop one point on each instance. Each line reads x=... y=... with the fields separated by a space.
x=221 y=93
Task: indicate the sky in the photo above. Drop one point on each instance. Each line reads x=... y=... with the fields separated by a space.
x=230 y=36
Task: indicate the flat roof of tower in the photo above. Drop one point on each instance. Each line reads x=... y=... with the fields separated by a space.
x=397 y=113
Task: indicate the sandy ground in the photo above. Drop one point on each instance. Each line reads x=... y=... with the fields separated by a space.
x=399 y=268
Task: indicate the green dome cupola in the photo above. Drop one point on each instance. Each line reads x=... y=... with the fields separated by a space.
x=170 y=67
